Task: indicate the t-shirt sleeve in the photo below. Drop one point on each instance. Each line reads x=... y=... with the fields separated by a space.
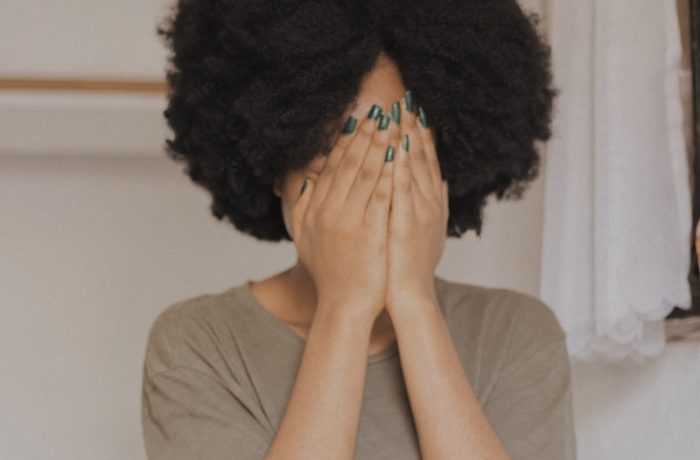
x=190 y=412
x=530 y=406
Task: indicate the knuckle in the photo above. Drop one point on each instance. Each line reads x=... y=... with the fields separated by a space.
x=351 y=225
x=337 y=149
x=349 y=163
x=377 y=143
x=402 y=232
x=386 y=171
x=428 y=217
x=367 y=127
x=410 y=121
x=380 y=194
x=325 y=221
x=423 y=220
x=365 y=174
x=403 y=184
x=310 y=211
x=328 y=168
x=297 y=208
x=302 y=220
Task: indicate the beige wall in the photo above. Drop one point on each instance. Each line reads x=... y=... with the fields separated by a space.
x=99 y=232
x=684 y=22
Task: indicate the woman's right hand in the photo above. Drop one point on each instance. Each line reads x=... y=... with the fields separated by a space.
x=340 y=221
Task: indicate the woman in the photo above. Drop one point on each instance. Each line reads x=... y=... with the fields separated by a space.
x=365 y=133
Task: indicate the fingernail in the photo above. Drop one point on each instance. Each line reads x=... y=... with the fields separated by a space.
x=384 y=122
x=389 y=154
x=350 y=125
x=405 y=142
x=396 y=111
x=375 y=112
x=422 y=117
x=409 y=100
x=303 y=186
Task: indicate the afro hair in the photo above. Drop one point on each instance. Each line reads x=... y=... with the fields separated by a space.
x=258 y=88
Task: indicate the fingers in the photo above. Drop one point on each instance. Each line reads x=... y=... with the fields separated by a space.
x=423 y=170
x=381 y=148
x=347 y=145
x=377 y=211
x=300 y=207
x=356 y=180
x=380 y=200
x=429 y=150
x=351 y=163
x=402 y=200
x=445 y=204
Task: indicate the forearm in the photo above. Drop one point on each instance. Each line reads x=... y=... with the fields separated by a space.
x=323 y=412
x=447 y=414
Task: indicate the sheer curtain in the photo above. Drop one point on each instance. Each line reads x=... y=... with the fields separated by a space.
x=617 y=205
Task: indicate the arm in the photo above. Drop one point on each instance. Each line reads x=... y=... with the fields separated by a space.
x=323 y=412
x=526 y=404
x=190 y=409
x=448 y=417
x=531 y=403
x=190 y=412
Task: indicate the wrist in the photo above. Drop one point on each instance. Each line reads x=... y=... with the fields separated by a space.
x=409 y=301
x=344 y=314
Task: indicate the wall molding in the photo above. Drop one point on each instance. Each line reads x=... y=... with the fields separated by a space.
x=82 y=85
x=82 y=117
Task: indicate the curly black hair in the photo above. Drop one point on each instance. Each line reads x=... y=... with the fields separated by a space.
x=258 y=88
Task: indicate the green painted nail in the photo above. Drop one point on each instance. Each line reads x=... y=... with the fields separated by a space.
x=303 y=186
x=396 y=111
x=389 y=154
x=383 y=122
x=375 y=112
x=350 y=125
x=405 y=142
x=422 y=117
x=409 y=100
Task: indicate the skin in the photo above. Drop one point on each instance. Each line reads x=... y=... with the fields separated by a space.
x=384 y=233
x=291 y=295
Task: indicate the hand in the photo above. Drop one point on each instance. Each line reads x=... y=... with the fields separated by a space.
x=418 y=217
x=340 y=221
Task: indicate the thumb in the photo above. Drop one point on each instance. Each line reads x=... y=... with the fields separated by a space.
x=300 y=206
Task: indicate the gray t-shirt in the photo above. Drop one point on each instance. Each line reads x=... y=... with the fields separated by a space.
x=219 y=369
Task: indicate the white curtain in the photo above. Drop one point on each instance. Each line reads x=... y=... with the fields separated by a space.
x=617 y=205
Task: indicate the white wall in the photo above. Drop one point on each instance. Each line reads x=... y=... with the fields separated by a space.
x=86 y=38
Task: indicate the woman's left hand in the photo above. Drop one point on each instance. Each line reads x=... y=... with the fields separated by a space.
x=418 y=216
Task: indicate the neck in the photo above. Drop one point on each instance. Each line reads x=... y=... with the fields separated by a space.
x=299 y=280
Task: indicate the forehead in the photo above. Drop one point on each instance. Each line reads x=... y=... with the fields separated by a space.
x=382 y=85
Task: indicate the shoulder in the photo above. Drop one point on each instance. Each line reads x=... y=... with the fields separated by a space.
x=514 y=351
x=503 y=327
x=535 y=341
x=186 y=326
x=520 y=315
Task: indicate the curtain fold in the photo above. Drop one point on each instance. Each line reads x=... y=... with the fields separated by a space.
x=617 y=210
